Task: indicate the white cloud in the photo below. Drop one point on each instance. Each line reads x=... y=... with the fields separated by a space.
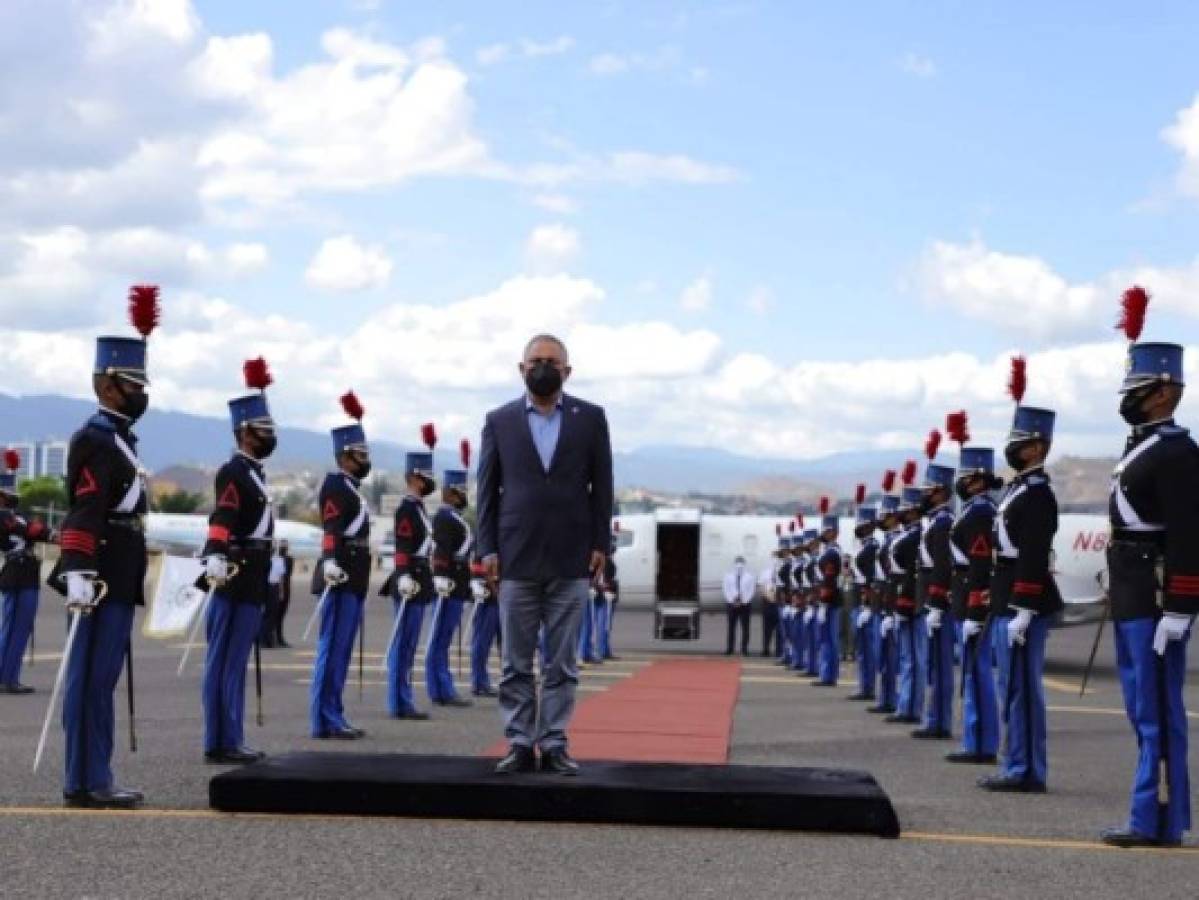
x=1024 y=294
x=342 y=264
x=553 y=246
x=525 y=48
x=697 y=296
x=920 y=66
x=493 y=54
x=129 y=23
x=1183 y=135
x=663 y=59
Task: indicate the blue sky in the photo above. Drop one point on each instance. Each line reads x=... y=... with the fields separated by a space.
x=829 y=223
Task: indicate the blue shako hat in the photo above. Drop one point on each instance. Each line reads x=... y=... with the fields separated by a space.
x=420 y=462
x=810 y=535
x=977 y=461
x=1152 y=363
x=458 y=478
x=352 y=436
x=1032 y=424
x=8 y=473
x=829 y=523
x=912 y=497
x=126 y=356
x=867 y=515
x=936 y=475
x=252 y=409
x=454 y=478
x=890 y=505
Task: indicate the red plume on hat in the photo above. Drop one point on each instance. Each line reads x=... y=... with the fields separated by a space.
x=889 y=477
x=1018 y=379
x=1133 y=305
x=144 y=310
x=799 y=518
x=428 y=434
x=12 y=460
x=859 y=496
x=464 y=454
x=933 y=444
x=352 y=405
x=909 y=473
x=957 y=426
x=257 y=374
x=825 y=503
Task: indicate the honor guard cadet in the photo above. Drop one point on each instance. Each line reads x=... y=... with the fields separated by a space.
x=935 y=581
x=484 y=625
x=103 y=560
x=412 y=584
x=863 y=568
x=910 y=636
x=828 y=595
x=20 y=576
x=237 y=562
x=342 y=576
x=1153 y=564
x=587 y=627
x=807 y=580
x=972 y=546
x=888 y=651
x=452 y=545
x=1025 y=593
x=773 y=615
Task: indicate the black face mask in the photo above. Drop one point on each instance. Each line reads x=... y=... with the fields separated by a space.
x=543 y=380
x=264 y=445
x=362 y=469
x=1130 y=407
x=1011 y=453
x=962 y=488
x=428 y=487
x=133 y=403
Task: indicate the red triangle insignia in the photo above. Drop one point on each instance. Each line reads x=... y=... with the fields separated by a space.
x=87 y=483
x=404 y=529
x=981 y=546
x=330 y=511
x=230 y=499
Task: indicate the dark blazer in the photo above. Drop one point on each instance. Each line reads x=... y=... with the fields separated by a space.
x=545 y=524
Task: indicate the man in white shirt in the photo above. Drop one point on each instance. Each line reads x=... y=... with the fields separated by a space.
x=739 y=586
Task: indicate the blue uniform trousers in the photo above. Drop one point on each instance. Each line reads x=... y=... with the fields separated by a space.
x=1025 y=754
x=980 y=713
x=482 y=636
x=830 y=646
x=20 y=609
x=1152 y=688
x=799 y=642
x=811 y=649
x=88 y=713
x=587 y=632
x=400 y=657
x=603 y=629
x=439 y=680
x=1001 y=661
x=938 y=716
x=913 y=648
x=231 y=630
x=888 y=670
x=340 y=620
x=867 y=644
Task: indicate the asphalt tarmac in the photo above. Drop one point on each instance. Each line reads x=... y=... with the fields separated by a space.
x=958 y=840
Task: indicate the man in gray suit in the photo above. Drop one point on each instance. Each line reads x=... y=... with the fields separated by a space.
x=545 y=511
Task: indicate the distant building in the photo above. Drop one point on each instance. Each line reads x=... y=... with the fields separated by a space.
x=40 y=458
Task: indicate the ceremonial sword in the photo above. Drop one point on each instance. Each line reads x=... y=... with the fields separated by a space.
x=192 y=633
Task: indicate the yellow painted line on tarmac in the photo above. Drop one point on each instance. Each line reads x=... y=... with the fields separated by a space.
x=1064 y=686
x=1001 y=840
x=1100 y=711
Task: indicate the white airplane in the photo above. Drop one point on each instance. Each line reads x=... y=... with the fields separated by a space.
x=186 y=534
x=682 y=555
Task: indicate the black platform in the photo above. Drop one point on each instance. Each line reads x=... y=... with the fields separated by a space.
x=620 y=793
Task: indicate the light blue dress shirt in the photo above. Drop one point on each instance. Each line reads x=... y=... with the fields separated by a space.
x=544 y=430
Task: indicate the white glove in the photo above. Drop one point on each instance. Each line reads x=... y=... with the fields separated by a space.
x=1170 y=627
x=1017 y=625
x=970 y=628
x=334 y=574
x=81 y=592
x=888 y=624
x=821 y=614
x=478 y=590
x=216 y=569
x=809 y=614
x=609 y=597
x=592 y=592
x=933 y=618
x=443 y=586
x=863 y=618
x=409 y=586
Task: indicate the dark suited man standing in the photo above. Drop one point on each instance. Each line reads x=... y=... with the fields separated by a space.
x=545 y=513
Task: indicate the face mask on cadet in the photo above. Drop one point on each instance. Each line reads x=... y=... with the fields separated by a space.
x=133 y=403
x=1130 y=406
x=543 y=379
x=1011 y=453
x=264 y=443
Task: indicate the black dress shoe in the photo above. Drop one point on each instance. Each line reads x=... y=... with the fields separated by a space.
x=931 y=734
x=282 y=643
x=860 y=696
x=342 y=734
x=519 y=759
x=819 y=683
x=902 y=719
x=880 y=709
x=18 y=688
x=487 y=692
x=1126 y=837
x=971 y=759
x=415 y=715
x=1010 y=784
x=238 y=756
x=113 y=798
x=610 y=657
x=558 y=762
x=453 y=701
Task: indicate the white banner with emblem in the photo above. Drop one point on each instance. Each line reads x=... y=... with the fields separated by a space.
x=176 y=598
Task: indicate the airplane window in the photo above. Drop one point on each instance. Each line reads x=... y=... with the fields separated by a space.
x=624 y=539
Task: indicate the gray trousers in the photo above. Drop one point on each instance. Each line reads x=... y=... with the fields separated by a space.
x=525 y=608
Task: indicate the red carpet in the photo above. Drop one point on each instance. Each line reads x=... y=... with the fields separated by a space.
x=671 y=711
